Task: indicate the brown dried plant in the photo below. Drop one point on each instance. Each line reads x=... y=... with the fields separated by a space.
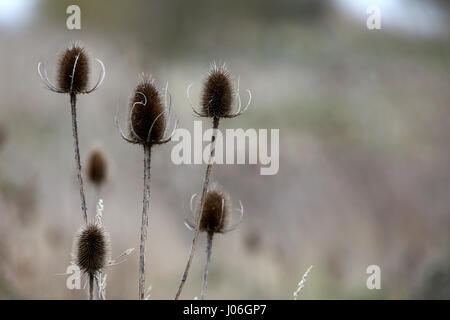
x=216 y=103
x=148 y=120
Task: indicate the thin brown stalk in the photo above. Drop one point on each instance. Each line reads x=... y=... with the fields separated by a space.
x=208 y=257
x=73 y=104
x=144 y=224
x=91 y=286
x=199 y=215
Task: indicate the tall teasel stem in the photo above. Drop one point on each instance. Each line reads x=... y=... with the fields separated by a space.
x=73 y=71
x=91 y=286
x=202 y=202
x=73 y=107
x=73 y=75
x=208 y=257
x=73 y=104
x=148 y=121
x=144 y=224
x=216 y=102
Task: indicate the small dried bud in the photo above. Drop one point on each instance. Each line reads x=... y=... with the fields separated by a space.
x=146 y=110
x=73 y=70
x=97 y=167
x=217 y=96
x=216 y=211
x=91 y=248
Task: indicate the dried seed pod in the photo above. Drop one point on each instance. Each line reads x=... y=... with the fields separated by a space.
x=97 y=167
x=91 y=249
x=73 y=70
x=216 y=211
x=147 y=113
x=217 y=95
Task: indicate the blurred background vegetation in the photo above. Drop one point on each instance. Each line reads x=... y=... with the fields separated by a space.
x=364 y=146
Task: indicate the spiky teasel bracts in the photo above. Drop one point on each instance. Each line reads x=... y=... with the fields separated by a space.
x=73 y=70
x=148 y=119
x=91 y=252
x=216 y=211
x=217 y=95
x=147 y=113
x=72 y=79
x=216 y=103
x=215 y=218
x=91 y=249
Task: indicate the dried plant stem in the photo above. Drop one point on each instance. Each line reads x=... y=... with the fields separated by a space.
x=202 y=202
x=208 y=257
x=73 y=104
x=144 y=224
x=101 y=286
x=91 y=286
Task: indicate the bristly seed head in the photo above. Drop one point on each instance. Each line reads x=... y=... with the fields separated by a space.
x=73 y=71
x=97 y=167
x=217 y=96
x=216 y=211
x=146 y=110
x=91 y=249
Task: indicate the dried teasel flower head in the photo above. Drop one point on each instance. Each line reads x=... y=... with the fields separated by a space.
x=149 y=115
x=217 y=211
x=147 y=112
x=91 y=248
x=73 y=72
x=97 y=167
x=218 y=95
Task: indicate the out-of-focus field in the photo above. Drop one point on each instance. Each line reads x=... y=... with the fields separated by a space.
x=364 y=173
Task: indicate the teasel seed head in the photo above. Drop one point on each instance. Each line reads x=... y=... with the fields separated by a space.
x=147 y=113
x=91 y=249
x=73 y=70
x=217 y=95
x=216 y=211
x=97 y=167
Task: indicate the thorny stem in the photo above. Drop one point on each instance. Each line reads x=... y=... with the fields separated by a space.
x=73 y=104
x=202 y=202
x=91 y=286
x=144 y=224
x=208 y=257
